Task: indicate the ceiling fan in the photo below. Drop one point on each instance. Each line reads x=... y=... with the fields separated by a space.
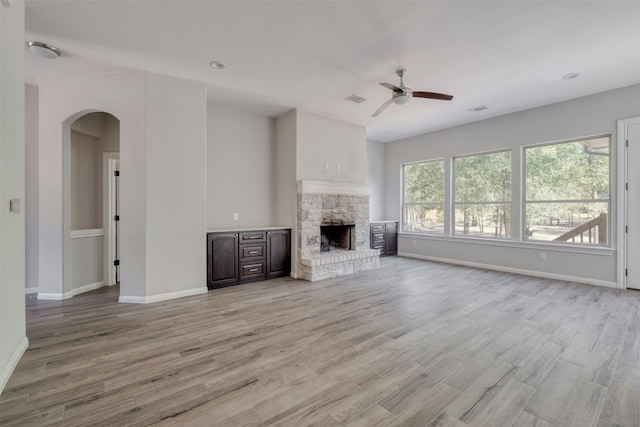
x=402 y=94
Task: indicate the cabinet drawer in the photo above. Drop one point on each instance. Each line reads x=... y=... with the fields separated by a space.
x=253 y=236
x=249 y=252
x=377 y=237
x=378 y=246
x=252 y=270
x=377 y=227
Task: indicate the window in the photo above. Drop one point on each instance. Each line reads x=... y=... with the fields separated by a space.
x=567 y=191
x=482 y=188
x=423 y=197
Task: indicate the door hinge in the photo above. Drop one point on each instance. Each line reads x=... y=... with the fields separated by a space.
x=626 y=228
x=116 y=262
x=116 y=173
x=626 y=186
x=116 y=217
x=626 y=143
x=626 y=272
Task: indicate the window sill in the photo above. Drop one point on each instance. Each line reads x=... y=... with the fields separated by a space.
x=537 y=245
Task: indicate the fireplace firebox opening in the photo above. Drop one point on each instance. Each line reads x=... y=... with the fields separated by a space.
x=337 y=238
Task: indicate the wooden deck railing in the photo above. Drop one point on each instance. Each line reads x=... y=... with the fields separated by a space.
x=596 y=230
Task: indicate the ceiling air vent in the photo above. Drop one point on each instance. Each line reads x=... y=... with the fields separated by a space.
x=355 y=98
x=479 y=108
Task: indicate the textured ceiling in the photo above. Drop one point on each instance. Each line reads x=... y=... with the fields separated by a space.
x=310 y=55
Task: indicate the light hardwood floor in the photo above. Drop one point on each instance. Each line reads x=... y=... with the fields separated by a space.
x=412 y=343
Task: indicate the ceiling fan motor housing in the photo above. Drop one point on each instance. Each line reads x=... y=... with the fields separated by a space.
x=403 y=97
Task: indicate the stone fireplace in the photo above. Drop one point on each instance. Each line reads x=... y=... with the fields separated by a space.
x=341 y=210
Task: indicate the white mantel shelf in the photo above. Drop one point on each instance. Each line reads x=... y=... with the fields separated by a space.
x=306 y=186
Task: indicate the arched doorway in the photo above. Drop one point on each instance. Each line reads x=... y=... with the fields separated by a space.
x=91 y=195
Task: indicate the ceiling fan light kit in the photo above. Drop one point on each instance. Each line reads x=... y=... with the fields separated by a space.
x=402 y=94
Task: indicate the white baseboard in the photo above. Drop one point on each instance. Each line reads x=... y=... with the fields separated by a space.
x=13 y=362
x=543 y=274
x=33 y=290
x=73 y=292
x=162 y=297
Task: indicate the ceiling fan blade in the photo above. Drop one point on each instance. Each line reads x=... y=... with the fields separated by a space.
x=382 y=108
x=392 y=87
x=432 y=95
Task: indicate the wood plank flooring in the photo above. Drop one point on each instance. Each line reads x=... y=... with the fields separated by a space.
x=413 y=343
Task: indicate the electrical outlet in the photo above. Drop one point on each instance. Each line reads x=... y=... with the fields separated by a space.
x=326 y=166
x=338 y=168
x=235 y=216
x=542 y=256
x=414 y=242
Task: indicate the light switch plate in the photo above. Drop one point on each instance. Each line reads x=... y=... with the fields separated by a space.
x=14 y=205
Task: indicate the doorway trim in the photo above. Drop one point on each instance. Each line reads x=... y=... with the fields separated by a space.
x=622 y=195
x=108 y=195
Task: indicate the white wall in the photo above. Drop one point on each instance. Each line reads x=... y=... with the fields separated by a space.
x=109 y=142
x=285 y=181
x=31 y=186
x=13 y=340
x=240 y=168
x=176 y=186
x=592 y=115
x=83 y=181
x=91 y=124
x=330 y=150
x=163 y=178
x=375 y=179
x=63 y=99
x=87 y=264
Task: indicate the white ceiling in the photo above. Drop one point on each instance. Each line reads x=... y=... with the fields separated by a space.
x=310 y=55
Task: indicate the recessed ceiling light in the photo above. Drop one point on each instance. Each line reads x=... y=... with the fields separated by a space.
x=44 y=50
x=217 y=65
x=570 y=76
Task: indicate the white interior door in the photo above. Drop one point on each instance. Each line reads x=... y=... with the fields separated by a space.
x=633 y=207
x=112 y=220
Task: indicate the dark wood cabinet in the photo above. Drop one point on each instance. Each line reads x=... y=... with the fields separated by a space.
x=247 y=256
x=222 y=259
x=278 y=253
x=384 y=236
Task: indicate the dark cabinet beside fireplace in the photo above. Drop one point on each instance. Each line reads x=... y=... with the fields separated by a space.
x=384 y=236
x=242 y=256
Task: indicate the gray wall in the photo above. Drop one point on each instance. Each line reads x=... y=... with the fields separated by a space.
x=83 y=181
x=375 y=179
x=240 y=168
x=591 y=115
x=176 y=186
x=13 y=340
x=31 y=186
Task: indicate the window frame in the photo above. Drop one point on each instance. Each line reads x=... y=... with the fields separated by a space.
x=609 y=200
x=444 y=200
x=453 y=203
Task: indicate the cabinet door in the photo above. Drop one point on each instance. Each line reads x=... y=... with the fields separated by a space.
x=222 y=259
x=278 y=253
x=391 y=239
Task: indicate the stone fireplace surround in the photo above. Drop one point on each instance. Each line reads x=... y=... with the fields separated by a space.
x=332 y=203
